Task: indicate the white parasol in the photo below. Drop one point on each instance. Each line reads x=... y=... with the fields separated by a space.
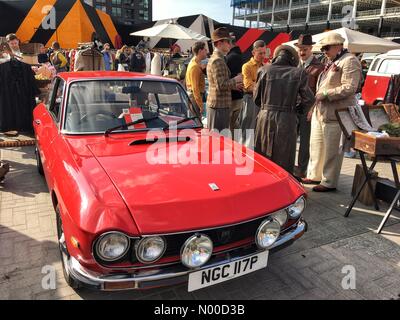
x=170 y=30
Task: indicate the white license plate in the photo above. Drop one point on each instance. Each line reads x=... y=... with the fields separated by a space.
x=208 y=277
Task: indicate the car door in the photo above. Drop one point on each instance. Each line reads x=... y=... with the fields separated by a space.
x=47 y=127
x=378 y=78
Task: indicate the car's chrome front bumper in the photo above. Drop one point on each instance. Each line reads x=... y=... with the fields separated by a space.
x=168 y=275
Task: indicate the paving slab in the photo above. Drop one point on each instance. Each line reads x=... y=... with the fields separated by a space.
x=310 y=269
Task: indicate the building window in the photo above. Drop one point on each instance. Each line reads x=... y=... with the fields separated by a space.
x=102 y=8
x=115 y=11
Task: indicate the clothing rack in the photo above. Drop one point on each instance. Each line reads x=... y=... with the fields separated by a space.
x=91 y=52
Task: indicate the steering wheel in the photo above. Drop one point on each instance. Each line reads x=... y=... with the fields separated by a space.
x=97 y=112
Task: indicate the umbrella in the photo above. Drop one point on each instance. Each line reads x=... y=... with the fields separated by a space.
x=170 y=30
x=357 y=42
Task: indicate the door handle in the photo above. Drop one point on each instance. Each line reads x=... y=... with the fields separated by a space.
x=38 y=122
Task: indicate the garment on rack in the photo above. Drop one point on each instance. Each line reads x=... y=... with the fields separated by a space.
x=148 y=62
x=393 y=112
x=359 y=118
x=72 y=57
x=393 y=92
x=17 y=96
x=89 y=59
x=156 y=65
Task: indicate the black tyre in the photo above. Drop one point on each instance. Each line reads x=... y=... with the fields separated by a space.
x=64 y=253
x=39 y=164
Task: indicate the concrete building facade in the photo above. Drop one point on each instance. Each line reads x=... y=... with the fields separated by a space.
x=369 y=16
x=126 y=11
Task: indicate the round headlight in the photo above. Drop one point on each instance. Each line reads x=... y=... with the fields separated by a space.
x=196 y=251
x=150 y=249
x=297 y=208
x=112 y=246
x=267 y=233
x=280 y=216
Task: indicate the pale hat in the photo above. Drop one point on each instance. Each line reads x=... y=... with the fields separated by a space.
x=331 y=39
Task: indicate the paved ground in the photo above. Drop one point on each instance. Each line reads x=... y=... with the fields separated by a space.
x=310 y=269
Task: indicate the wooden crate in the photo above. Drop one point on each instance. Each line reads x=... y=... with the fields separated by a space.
x=389 y=146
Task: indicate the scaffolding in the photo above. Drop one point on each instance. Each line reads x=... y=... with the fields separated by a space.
x=380 y=18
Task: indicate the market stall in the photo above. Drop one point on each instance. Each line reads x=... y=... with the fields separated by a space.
x=205 y=26
x=375 y=132
x=172 y=30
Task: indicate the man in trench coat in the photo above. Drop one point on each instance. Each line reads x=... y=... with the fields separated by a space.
x=277 y=88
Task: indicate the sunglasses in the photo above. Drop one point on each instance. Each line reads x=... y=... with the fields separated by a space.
x=325 y=48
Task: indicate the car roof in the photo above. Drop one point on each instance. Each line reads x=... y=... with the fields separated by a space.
x=389 y=54
x=91 y=75
x=393 y=53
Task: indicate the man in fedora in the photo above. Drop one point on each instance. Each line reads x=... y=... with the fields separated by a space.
x=313 y=68
x=219 y=99
x=336 y=89
x=276 y=93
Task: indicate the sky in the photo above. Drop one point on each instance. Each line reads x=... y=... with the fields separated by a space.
x=219 y=10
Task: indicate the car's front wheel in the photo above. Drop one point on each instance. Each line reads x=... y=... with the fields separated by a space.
x=64 y=252
x=39 y=164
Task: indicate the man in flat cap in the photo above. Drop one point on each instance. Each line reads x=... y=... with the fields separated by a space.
x=276 y=93
x=336 y=89
x=219 y=99
x=313 y=68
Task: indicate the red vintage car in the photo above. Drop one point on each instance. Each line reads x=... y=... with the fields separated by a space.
x=125 y=221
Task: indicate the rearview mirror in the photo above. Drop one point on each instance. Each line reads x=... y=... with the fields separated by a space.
x=131 y=89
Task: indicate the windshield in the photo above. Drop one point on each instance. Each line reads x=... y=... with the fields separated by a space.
x=97 y=106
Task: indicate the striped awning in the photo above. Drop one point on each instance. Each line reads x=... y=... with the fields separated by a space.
x=75 y=22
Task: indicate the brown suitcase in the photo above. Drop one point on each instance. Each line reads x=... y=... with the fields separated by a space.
x=389 y=146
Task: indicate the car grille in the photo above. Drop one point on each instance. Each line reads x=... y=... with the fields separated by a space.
x=220 y=237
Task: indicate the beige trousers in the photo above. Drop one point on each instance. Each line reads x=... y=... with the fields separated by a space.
x=326 y=156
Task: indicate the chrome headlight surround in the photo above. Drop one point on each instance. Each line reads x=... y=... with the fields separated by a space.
x=110 y=239
x=197 y=243
x=268 y=230
x=296 y=209
x=140 y=249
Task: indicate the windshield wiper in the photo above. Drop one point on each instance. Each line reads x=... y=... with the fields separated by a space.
x=108 y=131
x=179 y=122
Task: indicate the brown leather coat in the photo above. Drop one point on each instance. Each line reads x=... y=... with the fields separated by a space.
x=278 y=86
